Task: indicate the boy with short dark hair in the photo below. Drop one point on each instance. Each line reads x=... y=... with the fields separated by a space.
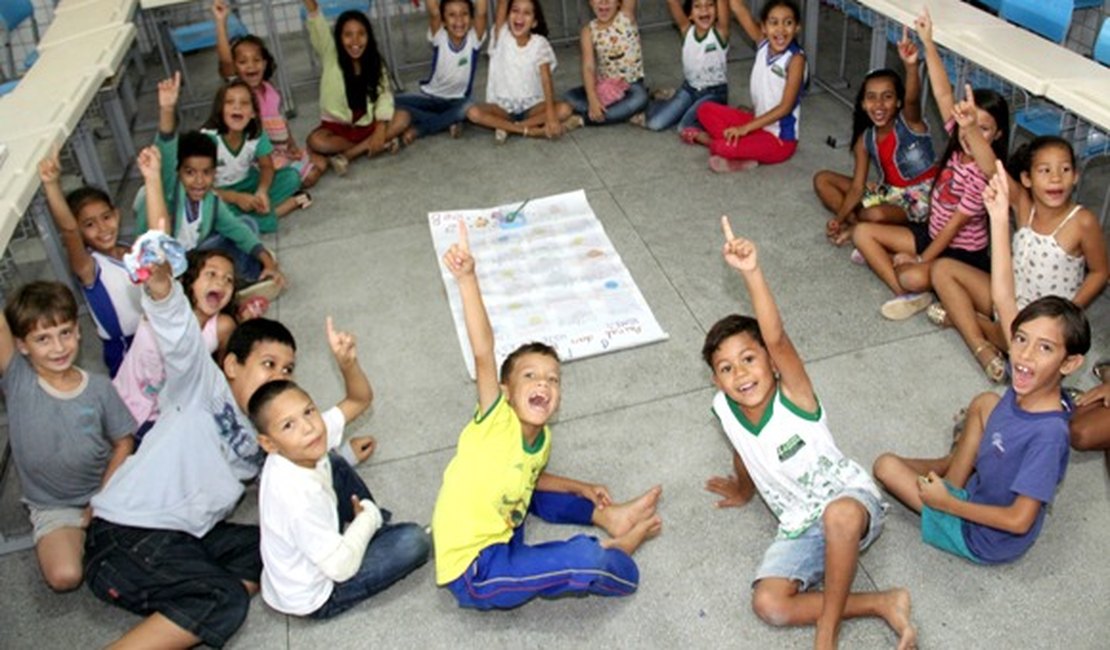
x=985 y=501
x=69 y=430
x=308 y=494
x=199 y=218
x=498 y=476
x=158 y=545
x=828 y=508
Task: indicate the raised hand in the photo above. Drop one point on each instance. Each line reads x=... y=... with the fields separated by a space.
x=149 y=162
x=996 y=195
x=923 y=25
x=50 y=168
x=458 y=258
x=739 y=253
x=907 y=49
x=220 y=10
x=342 y=344
x=966 y=113
x=168 y=91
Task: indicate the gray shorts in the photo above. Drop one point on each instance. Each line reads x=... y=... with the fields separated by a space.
x=47 y=520
x=802 y=558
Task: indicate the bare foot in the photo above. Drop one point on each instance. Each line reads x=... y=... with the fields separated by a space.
x=455 y=130
x=409 y=136
x=623 y=517
x=896 y=612
x=703 y=138
x=640 y=533
x=639 y=119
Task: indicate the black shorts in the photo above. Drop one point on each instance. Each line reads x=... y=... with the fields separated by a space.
x=980 y=259
x=196 y=583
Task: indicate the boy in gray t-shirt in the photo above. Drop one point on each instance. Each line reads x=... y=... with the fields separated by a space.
x=69 y=430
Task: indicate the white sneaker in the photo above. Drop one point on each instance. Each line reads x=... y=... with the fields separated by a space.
x=906 y=305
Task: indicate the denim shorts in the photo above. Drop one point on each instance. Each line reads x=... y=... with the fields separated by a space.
x=802 y=558
x=196 y=583
x=944 y=530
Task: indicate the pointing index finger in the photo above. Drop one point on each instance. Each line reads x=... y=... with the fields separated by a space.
x=464 y=238
x=329 y=326
x=727 y=228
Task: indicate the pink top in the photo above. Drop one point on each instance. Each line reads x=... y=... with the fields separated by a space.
x=959 y=187
x=142 y=374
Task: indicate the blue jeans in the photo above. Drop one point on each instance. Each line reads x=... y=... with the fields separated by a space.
x=683 y=107
x=247 y=266
x=634 y=101
x=431 y=114
x=510 y=574
x=395 y=551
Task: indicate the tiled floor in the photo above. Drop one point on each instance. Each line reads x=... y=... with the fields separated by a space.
x=631 y=419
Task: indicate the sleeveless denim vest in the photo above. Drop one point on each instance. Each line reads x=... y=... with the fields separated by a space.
x=913 y=152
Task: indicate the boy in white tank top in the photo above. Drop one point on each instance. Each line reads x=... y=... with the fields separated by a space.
x=828 y=507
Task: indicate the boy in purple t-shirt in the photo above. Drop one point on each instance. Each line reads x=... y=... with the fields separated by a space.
x=985 y=500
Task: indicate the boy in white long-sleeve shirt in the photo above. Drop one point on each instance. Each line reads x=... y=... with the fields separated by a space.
x=311 y=567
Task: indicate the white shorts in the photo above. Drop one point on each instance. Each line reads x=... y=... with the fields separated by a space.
x=48 y=520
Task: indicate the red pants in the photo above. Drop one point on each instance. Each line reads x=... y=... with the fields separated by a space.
x=758 y=145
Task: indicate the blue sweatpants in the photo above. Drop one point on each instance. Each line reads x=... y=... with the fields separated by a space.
x=510 y=574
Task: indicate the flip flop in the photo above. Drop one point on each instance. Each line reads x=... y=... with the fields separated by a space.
x=303 y=199
x=267 y=289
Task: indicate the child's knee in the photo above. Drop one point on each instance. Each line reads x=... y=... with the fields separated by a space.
x=885 y=466
x=414 y=544
x=474 y=113
x=1089 y=429
x=940 y=271
x=771 y=606
x=844 y=516
x=63 y=576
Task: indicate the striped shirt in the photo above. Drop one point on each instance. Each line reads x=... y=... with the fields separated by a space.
x=959 y=187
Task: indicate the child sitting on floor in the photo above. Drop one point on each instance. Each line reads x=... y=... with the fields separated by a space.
x=612 y=65
x=1058 y=248
x=497 y=477
x=199 y=219
x=68 y=429
x=828 y=508
x=248 y=59
x=308 y=494
x=985 y=501
x=520 y=93
x=889 y=132
x=704 y=25
x=456 y=30
x=902 y=254
x=209 y=281
x=768 y=134
x=246 y=178
x=356 y=102
x=158 y=545
x=88 y=225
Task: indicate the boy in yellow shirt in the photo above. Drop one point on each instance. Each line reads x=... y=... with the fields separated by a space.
x=497 y=477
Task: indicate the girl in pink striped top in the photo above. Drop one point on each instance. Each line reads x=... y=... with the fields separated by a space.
x=901 y=255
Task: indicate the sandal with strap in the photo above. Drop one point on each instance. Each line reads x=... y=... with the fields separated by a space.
x=938 y=315
x=995 y=367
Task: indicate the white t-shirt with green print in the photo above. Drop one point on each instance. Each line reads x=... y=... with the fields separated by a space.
x=792 y=460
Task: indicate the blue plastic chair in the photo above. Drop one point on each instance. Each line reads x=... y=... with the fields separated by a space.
x=1049 y=18
x=330 y=10
x=993 y=5
x=1102 y=44
x=8 y=86
x=195 y=37
x=13 y=13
